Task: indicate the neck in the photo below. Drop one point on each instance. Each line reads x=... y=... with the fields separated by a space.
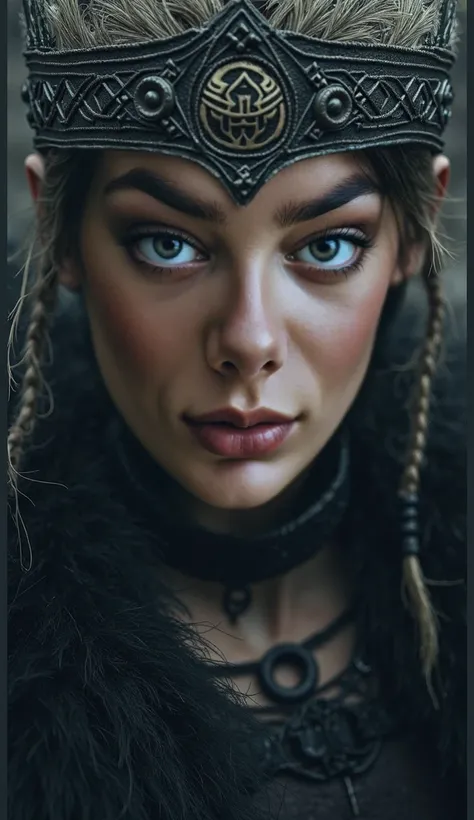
x=290 y=560
x=284 y=609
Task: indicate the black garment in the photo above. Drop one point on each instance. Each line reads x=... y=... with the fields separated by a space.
x=111 y=713
x=401 y=784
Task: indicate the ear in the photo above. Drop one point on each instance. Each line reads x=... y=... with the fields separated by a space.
x=34 y=169
x=416 y=255
x=442 y=174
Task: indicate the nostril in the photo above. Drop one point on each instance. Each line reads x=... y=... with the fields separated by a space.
x=229 y=367
x=270 y=366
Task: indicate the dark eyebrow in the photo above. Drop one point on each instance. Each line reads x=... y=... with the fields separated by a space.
x=290 y=214
x=156 y=187
x=348 y=190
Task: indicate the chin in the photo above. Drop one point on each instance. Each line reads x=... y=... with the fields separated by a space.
x=241 y=485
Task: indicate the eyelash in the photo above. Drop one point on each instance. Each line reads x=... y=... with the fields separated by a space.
x=355 y=235
x=136 y=235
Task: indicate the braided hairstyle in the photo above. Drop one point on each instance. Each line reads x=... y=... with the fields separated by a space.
x=406 y=172
x=44 y=296
x=63 y=191
x=414 y=581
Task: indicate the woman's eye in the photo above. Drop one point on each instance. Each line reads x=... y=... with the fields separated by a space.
x=164 y=250
x=330 y=253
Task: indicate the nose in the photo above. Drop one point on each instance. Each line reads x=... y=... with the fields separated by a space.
x=247 y=338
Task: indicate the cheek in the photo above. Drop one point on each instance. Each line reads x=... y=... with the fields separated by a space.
x=123 y=333
x=343 y=336
x=133 y=330
x=357 y=329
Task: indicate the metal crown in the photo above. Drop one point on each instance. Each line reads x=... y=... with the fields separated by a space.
x=236 y=96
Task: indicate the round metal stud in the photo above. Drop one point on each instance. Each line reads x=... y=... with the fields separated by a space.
x=154 y=98
x=448 y=97
x=299 y=658
x=446 y=94
x=25 y=93
x=333 y=107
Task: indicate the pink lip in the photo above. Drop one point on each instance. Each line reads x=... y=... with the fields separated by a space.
x=230 y=415
x=233 y=434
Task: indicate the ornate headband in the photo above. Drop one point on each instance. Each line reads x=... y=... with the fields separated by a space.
x=238 y=97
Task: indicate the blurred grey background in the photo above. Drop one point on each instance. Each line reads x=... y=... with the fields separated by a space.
x=19 y=144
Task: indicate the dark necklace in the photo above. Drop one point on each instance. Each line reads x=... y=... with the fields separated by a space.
x=326 y=738
x=300 y=656
x=236 y=562
x=307 y=734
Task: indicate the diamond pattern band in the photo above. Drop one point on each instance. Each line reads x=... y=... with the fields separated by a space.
x=239 y=98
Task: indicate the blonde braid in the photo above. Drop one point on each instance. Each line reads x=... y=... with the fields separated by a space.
x=43 y=297
x=45 y=255
x=413 y=577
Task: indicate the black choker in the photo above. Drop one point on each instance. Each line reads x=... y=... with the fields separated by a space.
x=235 y=562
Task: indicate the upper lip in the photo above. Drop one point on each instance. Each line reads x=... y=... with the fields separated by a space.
x=230 y=415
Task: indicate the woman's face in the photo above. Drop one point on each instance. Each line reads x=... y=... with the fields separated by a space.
x=200 y=306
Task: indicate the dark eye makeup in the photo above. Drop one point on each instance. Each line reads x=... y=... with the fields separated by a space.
x=324 y=256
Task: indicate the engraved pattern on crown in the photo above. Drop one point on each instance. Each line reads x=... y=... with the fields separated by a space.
x=38 y=34
x=242 y=107
x=447 y=20
x=258 y=93
x=243 y=39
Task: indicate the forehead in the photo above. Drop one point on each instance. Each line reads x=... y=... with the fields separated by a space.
x=304 y=179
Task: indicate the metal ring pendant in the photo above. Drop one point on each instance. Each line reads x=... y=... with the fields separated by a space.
x=298 y=657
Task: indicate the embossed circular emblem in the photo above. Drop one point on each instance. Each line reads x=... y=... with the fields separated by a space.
x=242 y=107
x=154 y=98
x=333 y=107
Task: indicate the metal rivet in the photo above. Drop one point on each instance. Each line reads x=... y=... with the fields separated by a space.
x=446 y=94
x=333 y=107
x=154 y=98
x=448 y=97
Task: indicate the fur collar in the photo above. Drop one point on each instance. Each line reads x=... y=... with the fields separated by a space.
x=111 y=715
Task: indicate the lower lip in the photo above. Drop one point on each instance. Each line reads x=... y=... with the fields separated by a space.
x=237 y=442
